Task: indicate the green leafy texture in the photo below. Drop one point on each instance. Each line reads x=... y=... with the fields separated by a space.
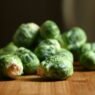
x=52 y=42
x=88 y=47
x=10 y=48
x=26 y=34
x=36 y=41
x=65 y=53
x=56 y=67
x=49 y=29
x=74 y=39
x=47 y=48
x=87 y=60
x=10 y=66
x=45 y=51
x=29 y=59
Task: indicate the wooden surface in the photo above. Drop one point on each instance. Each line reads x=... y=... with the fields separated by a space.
x=81 y=83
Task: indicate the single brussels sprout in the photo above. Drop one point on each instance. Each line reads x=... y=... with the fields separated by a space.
x=45 y=51
x=65 y=53
x=47 y=48
x=10 y=66
x=56 y=67
x=49 y=29
x=88 y=47
x=52 y=42
x=74 y=39
x=87 y=60
x=29 y=59
x=26 y=34
x=10 y=48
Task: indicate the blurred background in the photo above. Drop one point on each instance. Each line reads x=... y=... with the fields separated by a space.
x=66 y=13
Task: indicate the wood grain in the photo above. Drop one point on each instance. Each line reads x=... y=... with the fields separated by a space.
x=81 y=83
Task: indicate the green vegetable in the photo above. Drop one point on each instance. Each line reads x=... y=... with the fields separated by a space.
x=65 y=53
x=56 y=67
x=10 y=66
x=87 y=60
x=10 y=48
x=52 y=42
x=29 y=59
x=45 y=51
x=88 y=47
x=26 y=34
x=49 y=29
x=47 y=48
x=74 y=39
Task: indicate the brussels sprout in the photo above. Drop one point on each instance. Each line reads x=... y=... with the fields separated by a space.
x=49 y=29
x=29 y=59
x=74 y=39
x=65 y=53
x=10 y=48
x=45 y=51
x=87 y=60
x=88 y=47
x=56 y=67
x=10 y=66
x=47 y=48
x=52 y=42
x=26 y=34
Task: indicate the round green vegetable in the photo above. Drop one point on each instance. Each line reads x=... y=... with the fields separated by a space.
x=65 y=53
x=56 y=67
x=52 y=42
x=10 y=66
x=10 y=48
x=74 y=39
x=49 y=29
x=29 y=59
x=45 y=51
x=87 y=60
x=47 y=48
x=88 y=47
x=26 y=34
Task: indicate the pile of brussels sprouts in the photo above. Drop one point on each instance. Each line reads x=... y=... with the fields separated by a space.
x=45 y=51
